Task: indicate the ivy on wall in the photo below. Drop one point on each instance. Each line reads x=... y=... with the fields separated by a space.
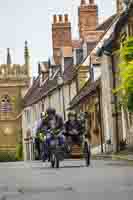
x=126 y=74
x=17 y=103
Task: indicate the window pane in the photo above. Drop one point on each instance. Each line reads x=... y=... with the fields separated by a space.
x=5 y=104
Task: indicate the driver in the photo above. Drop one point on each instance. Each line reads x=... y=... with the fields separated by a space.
x=53 y=117
x=53 y=122
x=73 y=128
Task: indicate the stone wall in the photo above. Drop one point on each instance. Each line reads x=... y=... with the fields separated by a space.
x=9 y=134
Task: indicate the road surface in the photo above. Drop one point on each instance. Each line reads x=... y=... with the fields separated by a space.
x=109 y=180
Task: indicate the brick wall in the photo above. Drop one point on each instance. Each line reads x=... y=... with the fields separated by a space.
x=61 y=35
x=88 y=18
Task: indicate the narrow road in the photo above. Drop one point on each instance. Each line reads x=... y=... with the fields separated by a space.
x=36 y=181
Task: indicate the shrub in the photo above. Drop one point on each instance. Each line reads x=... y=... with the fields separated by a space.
x=126 y=74
x=19 y=152
x=7 y=156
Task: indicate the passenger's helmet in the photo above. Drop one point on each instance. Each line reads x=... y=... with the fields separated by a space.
x=50 y=111
x=72 y=114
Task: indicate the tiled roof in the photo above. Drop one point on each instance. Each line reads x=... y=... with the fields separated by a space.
x=39 y=92
x=31 y=90
x=87 y=90
x=105 y=25
x=119 y=22
x=69 y=72
x=90 y=46
x=36 y=93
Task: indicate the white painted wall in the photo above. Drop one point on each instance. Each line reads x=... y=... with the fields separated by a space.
x=106 y=97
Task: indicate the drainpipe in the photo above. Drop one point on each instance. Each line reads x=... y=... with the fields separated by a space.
x=115 y=104
x=63 y=99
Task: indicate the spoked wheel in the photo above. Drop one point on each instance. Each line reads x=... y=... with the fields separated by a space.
x=57 y=163
x=53 y=159
x=87 y=154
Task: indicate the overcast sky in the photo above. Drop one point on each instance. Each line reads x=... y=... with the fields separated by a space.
x=31 y=20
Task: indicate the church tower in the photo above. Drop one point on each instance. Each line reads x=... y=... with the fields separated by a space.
x=14 y=83
x=88 y=17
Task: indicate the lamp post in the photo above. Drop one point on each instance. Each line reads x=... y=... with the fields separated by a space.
x=60 y=82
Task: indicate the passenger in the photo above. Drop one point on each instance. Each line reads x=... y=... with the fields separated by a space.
x=73 y=128
x=83 y=120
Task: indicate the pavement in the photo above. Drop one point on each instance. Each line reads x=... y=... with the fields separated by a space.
x=119 y=156
x=37 y=181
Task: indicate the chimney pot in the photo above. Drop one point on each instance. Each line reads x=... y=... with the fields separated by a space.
x=55 y=19
x=66 y=17
x=60 y=18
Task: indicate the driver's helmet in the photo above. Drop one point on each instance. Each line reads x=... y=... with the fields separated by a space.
x=42 y=114
x=81 y=116
x=50 y=111
x=72 y=114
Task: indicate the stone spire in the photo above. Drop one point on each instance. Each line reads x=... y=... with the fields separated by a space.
x=9 y=62
x=26 y=53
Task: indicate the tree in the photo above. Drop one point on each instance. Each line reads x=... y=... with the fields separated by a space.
x=126 y=74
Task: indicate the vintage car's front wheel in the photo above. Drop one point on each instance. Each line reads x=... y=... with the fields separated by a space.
x=55 y=162
x=87 y=154
x=52 y=160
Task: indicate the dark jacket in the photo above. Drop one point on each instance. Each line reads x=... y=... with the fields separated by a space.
x=69 y=126
x=46 y=123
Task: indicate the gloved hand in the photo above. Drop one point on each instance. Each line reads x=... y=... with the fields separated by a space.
x=75 y=132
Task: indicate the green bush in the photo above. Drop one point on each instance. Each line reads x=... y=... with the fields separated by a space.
x=7 y=156
x=130 y=102
x=19 y=152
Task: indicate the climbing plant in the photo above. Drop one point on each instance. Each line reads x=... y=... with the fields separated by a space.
x=126 y=74
x=19 y=146
x=17 y=103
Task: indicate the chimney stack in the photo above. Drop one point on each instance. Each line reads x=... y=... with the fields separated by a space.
x=88 y=18
x=61 y=36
